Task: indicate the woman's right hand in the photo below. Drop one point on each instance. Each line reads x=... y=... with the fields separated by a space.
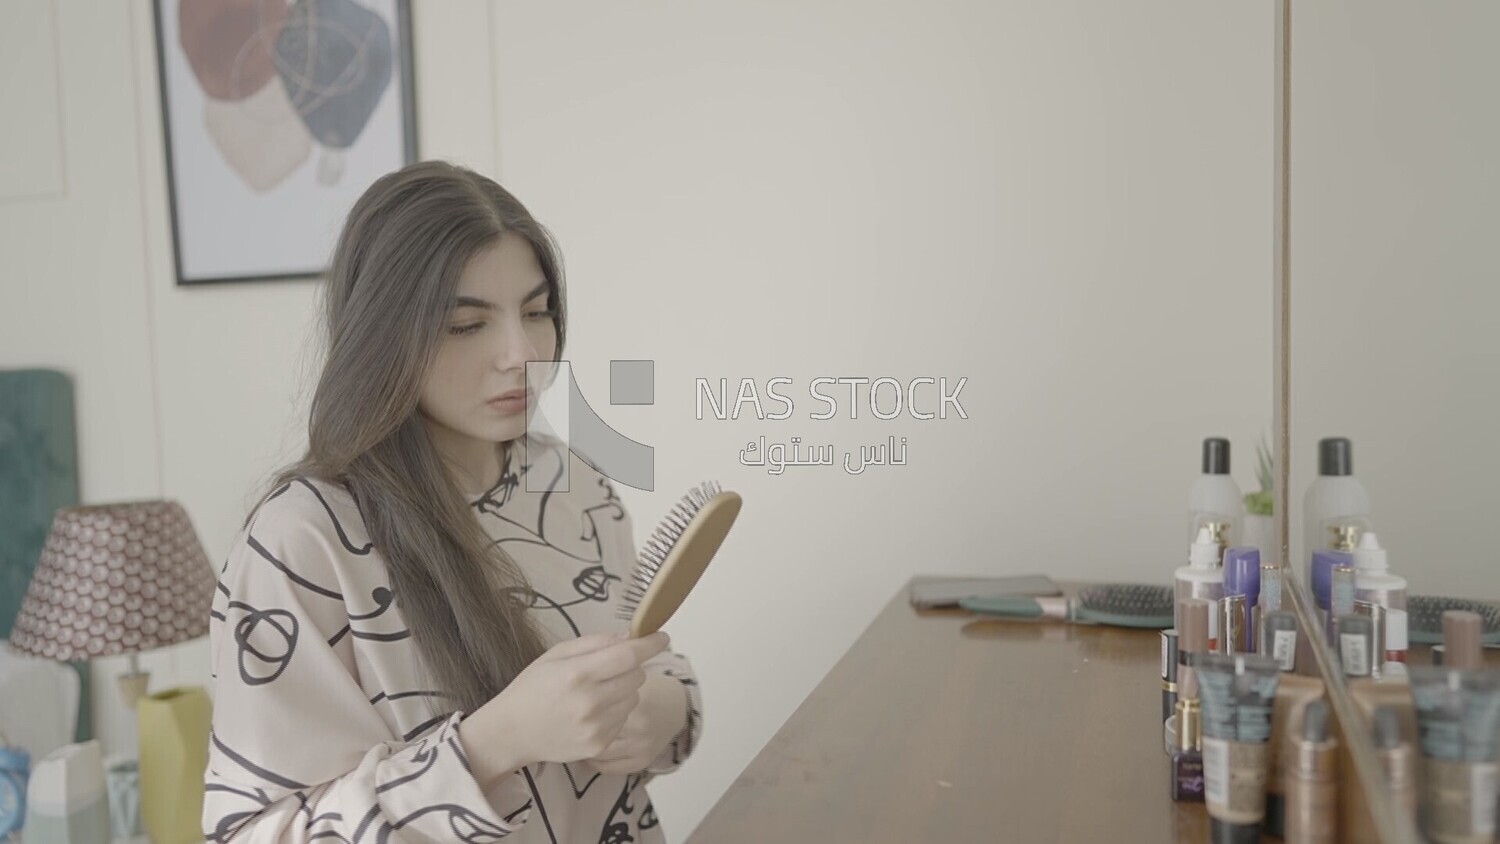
x=567 y=705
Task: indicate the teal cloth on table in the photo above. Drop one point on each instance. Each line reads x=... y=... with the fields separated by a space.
x=38 y=475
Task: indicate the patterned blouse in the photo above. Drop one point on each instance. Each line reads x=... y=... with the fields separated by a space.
x=322 y=729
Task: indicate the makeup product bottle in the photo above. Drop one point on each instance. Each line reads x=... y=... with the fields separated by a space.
x=1373 y=581
x=1270 y=593
x=1320 y=578
x=1192 y=643
x=1214 y=496
x=1354 y=645
x=1241 y=594
x=1187 y=759
x=1398 y=761
x=1236 y=693
x=1202 y=577
x=1393 y=666
x=1279 y=638
x=1293 y=693
x=1168 y=684
x=1340 y=598
x=1461 y=633
x=1458 y=713
x=1309 y=770
x=1335 y=495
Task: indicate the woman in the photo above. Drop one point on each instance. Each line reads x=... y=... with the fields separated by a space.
x=409 y=642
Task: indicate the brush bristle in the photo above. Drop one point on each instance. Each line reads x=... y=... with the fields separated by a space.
x=654 y=553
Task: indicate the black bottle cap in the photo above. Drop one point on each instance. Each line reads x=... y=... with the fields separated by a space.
x=1275 y=822
x=1335 y=456
x=1216 y=456
x=1223 y=832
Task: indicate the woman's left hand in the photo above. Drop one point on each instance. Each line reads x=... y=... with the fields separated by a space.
x=660 y=715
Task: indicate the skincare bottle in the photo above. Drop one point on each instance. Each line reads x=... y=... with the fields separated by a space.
x=1214 y=496
x=1373 y=581
x=1335 y=496
x=1202 y=577
x=1309 y=770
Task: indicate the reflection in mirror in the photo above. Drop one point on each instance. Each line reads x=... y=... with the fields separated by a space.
x=1395 y=387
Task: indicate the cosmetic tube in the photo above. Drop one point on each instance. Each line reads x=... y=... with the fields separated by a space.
x=1457 y=715
x=1309 y=775
x=1237 y=694
x=1354 y=647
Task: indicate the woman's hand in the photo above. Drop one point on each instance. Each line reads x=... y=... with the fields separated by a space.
x=568 y=705
x=658 y=717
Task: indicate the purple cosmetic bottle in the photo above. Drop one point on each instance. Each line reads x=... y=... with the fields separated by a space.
x=1323 y=563
x=1242 y=578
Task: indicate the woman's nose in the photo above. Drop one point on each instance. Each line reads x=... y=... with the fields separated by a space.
x=515 y=346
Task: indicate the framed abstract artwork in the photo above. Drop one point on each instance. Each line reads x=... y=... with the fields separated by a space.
x=277 y=115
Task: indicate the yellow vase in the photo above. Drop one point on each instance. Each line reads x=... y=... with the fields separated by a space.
x=174 y=728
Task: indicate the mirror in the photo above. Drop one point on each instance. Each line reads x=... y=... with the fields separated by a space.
x=1394 y=383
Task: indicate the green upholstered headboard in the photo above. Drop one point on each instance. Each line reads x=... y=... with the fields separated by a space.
x=38 y=475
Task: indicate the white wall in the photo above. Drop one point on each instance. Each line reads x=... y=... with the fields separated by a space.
x=1395 y=206
x=1070 y=205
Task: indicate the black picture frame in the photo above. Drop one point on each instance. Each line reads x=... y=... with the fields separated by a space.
x=325 y=219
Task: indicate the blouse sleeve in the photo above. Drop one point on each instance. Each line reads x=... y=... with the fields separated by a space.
x=671 y=664
x=298 y=751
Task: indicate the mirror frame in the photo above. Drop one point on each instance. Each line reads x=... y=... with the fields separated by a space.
x=1361 y=790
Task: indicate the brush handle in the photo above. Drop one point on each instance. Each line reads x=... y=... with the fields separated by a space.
x=1020 y=607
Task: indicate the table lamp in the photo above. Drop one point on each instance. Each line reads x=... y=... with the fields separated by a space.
x=120 y=579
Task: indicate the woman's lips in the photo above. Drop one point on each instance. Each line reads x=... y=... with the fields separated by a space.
x=510 y=405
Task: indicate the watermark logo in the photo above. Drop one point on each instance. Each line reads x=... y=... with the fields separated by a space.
x=563 y=413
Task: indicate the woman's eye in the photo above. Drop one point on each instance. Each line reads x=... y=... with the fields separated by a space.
x=542 y=314
x=466 y=329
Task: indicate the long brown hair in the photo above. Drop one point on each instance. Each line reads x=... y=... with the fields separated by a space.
x=385 y=303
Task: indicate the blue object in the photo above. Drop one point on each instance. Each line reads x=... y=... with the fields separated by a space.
x=15 y=769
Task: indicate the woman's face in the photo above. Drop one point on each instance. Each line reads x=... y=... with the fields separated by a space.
x=499 y=320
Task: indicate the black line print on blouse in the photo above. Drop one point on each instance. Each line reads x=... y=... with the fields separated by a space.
x=618 y=831
x=541 y=808
x=265 y=774
x=337 y=525
x=275 y=632
x=577 y=794
x=381 y=595
x=384 y=599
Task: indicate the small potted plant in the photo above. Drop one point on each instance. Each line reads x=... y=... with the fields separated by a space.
x=1258 y=505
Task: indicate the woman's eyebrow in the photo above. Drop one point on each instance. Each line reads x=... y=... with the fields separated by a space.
x=485 y=304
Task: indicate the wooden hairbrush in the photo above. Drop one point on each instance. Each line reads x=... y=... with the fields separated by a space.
x=674 y=557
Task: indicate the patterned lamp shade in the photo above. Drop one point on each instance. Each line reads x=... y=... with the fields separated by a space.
x=116 y=579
